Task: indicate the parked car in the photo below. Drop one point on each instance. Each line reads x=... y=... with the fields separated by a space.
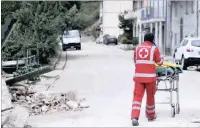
x=110 y=40
x=71 y=39
x=99 y=40
x=105 y=38
x=188 y=54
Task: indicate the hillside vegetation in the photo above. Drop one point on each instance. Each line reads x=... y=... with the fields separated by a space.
x=41 y=22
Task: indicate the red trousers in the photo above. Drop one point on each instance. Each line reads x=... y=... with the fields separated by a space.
x=137 y=99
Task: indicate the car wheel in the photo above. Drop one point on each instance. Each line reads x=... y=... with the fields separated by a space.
x=183 y=64
x=78 y=48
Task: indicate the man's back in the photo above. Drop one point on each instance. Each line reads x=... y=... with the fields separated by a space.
x=145 y=57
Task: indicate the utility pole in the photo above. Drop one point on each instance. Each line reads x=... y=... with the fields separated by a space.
x=168 y=28
x=197 y=18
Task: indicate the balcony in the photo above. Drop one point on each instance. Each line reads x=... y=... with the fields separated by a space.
x=151 y=14
x=146 y=14
x=131 y=15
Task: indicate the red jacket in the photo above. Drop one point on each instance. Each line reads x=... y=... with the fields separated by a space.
x=145 y=57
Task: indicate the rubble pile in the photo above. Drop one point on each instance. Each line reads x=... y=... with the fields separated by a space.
x=46 y=102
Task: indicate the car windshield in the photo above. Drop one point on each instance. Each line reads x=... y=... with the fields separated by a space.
x=196 y=43
x=71 y=34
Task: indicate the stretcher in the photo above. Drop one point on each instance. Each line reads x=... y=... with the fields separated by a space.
x=168 y=73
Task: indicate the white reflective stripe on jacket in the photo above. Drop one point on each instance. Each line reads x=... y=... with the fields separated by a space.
x=144 y=75
x=150 y=106
x=136 y=108
x=150 y=111
x=136 y=102
x=144 y=62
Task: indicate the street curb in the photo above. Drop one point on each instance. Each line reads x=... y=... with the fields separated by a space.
x=65 y=62
x=57 y=76
x=64 y=65
x=54 y=63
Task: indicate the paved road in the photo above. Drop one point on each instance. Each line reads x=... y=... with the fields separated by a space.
x=103 y=75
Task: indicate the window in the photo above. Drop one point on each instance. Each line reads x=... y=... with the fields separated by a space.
x=181 y=28
x=175 y=39
x=186 y=7
x=175 y=8
x=142 y=4
x=185 y=43
x=196 y=43
x=192 y=6
x=71 y=34
x=134 y=5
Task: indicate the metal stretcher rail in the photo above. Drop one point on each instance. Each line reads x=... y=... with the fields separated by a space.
x=171 y=82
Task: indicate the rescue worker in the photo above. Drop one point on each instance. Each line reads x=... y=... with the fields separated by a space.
x=145 y=57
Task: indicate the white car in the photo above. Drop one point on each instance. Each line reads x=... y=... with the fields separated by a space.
x=71 y=39
x=188 y=54
x=99 y=40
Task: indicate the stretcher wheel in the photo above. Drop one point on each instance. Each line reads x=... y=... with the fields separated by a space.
x=173 y=111
x=177 y=108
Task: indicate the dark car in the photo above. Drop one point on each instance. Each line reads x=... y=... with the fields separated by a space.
x=105 y=38
x=111 y=40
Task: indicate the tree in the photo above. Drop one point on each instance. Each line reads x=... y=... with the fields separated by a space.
x=40 y=23
x=126 y=25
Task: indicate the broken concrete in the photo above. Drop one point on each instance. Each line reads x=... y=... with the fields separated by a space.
x=72 y=95
x=17 y=118
x=72 y=104
x=6 y=104
x=6 y=97
x=45 y=102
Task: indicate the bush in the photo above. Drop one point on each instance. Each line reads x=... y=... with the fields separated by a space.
x=120 y=36
x=125 y=40
x=135 y=41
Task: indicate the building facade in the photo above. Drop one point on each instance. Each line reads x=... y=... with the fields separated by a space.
x=170 y=21
x=149 y=15
x=109 y=12
x=185 y=21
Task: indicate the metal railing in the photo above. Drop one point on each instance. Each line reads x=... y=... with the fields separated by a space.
x=20 y=61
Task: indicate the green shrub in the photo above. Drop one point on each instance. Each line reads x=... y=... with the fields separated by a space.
x=135 y=41
x=120 y=36
x=125 y=40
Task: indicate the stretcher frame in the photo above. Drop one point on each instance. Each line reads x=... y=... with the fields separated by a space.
x=171 y=85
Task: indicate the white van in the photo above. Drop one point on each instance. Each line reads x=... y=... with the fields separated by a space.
x=71 y=39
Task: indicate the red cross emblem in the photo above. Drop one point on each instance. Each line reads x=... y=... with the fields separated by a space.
x=143 y=53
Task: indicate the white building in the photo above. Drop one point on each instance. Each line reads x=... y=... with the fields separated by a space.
x=149 y=14
x=170 y=21
x=109 y=12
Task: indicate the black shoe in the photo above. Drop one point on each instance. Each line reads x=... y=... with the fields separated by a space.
x=135 y=122
x=153 y=118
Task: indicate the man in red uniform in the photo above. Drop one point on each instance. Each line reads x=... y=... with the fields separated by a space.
x=145 y=57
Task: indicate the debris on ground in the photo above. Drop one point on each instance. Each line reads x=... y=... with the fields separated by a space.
x=45 y=102
x=17 y=117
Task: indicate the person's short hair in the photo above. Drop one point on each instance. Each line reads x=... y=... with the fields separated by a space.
x=149 y=37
